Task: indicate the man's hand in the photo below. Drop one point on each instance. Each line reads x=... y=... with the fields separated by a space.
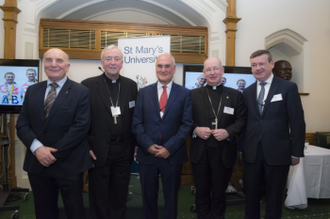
x=295 y=161
x=92 y=154
x=162 y=153
x=44 y=155
x=203 y=132
x=220 y=134
x=153 y=149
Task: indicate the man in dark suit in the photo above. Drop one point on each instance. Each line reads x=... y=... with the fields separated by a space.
x=57 y=149
x=273 y=138
x=161 y=123
x=110 y=138
x=218 y=118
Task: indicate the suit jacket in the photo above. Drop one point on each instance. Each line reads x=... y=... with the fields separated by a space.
x=233 y=123
x=173 y=127
x=101 y=128
x=280 y=128
x=65 y=129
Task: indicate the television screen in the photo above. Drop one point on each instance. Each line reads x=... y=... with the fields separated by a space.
x=235 y=77
x=16 y=75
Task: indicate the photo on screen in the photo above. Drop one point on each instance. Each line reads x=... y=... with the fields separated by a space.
x=234 y=77
x=16 y=75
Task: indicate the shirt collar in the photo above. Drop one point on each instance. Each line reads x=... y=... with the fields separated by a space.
x=169 y=85
x=112 y=81
x=59 y=83
x=269 y=80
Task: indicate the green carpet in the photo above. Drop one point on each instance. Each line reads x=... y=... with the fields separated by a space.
x=317 y=208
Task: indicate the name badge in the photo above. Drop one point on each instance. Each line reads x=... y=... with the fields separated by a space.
x=131 y=104
x=228 y=110
x=115 y=111
x=277 y=97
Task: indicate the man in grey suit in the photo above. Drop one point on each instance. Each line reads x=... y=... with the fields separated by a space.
x=273 y=138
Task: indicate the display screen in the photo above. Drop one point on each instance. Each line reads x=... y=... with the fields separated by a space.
x=16 y=75
x=238 y=78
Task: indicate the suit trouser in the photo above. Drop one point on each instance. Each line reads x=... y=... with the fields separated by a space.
x=211 y=181
x=45 y=192
x=260 y=175
x=108 y=187
x=171 y=178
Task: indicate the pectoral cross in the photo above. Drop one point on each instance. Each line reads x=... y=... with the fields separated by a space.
x=115 y=119
x=215 y=123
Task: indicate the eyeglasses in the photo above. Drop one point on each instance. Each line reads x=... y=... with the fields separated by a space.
x=215 y=69
x=110 y=59
x=163 y=66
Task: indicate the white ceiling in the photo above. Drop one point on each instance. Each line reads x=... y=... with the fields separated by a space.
x=176 y=12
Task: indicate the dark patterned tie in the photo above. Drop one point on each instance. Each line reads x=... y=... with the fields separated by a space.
x=261 y=96
x=50 y=99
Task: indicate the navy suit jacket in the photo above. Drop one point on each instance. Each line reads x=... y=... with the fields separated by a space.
x=65 y=129
x=280 y=128
x=173 y=127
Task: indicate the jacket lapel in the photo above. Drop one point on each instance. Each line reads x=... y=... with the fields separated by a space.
x=224 y=102
x=123 y=95
x=41 y=100
x=273 y=88
x=255 y=96
x=203 y=99
x=173 y=94
x=154 y=98
x=103 y=92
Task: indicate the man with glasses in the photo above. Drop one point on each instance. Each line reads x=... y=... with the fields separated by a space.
x=218 y=118
x=110 y=138
x=273 y=138
x=161 y=124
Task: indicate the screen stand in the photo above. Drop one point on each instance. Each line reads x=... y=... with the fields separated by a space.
x=5 y=193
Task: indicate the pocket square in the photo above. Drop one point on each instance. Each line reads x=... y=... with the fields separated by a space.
x=277 y=97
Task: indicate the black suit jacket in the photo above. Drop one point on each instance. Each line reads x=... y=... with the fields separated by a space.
x=280 y=128
x=101 y=129
x=232 y=122
x=65 y=129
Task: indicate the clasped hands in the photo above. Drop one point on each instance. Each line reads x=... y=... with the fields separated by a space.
x=159 y=151
x=45 y=156
x=206 y=132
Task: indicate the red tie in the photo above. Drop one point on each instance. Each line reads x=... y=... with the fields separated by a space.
x=163 y=100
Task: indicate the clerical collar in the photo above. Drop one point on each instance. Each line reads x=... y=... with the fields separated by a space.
x=214 y=87
x=112 y=81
